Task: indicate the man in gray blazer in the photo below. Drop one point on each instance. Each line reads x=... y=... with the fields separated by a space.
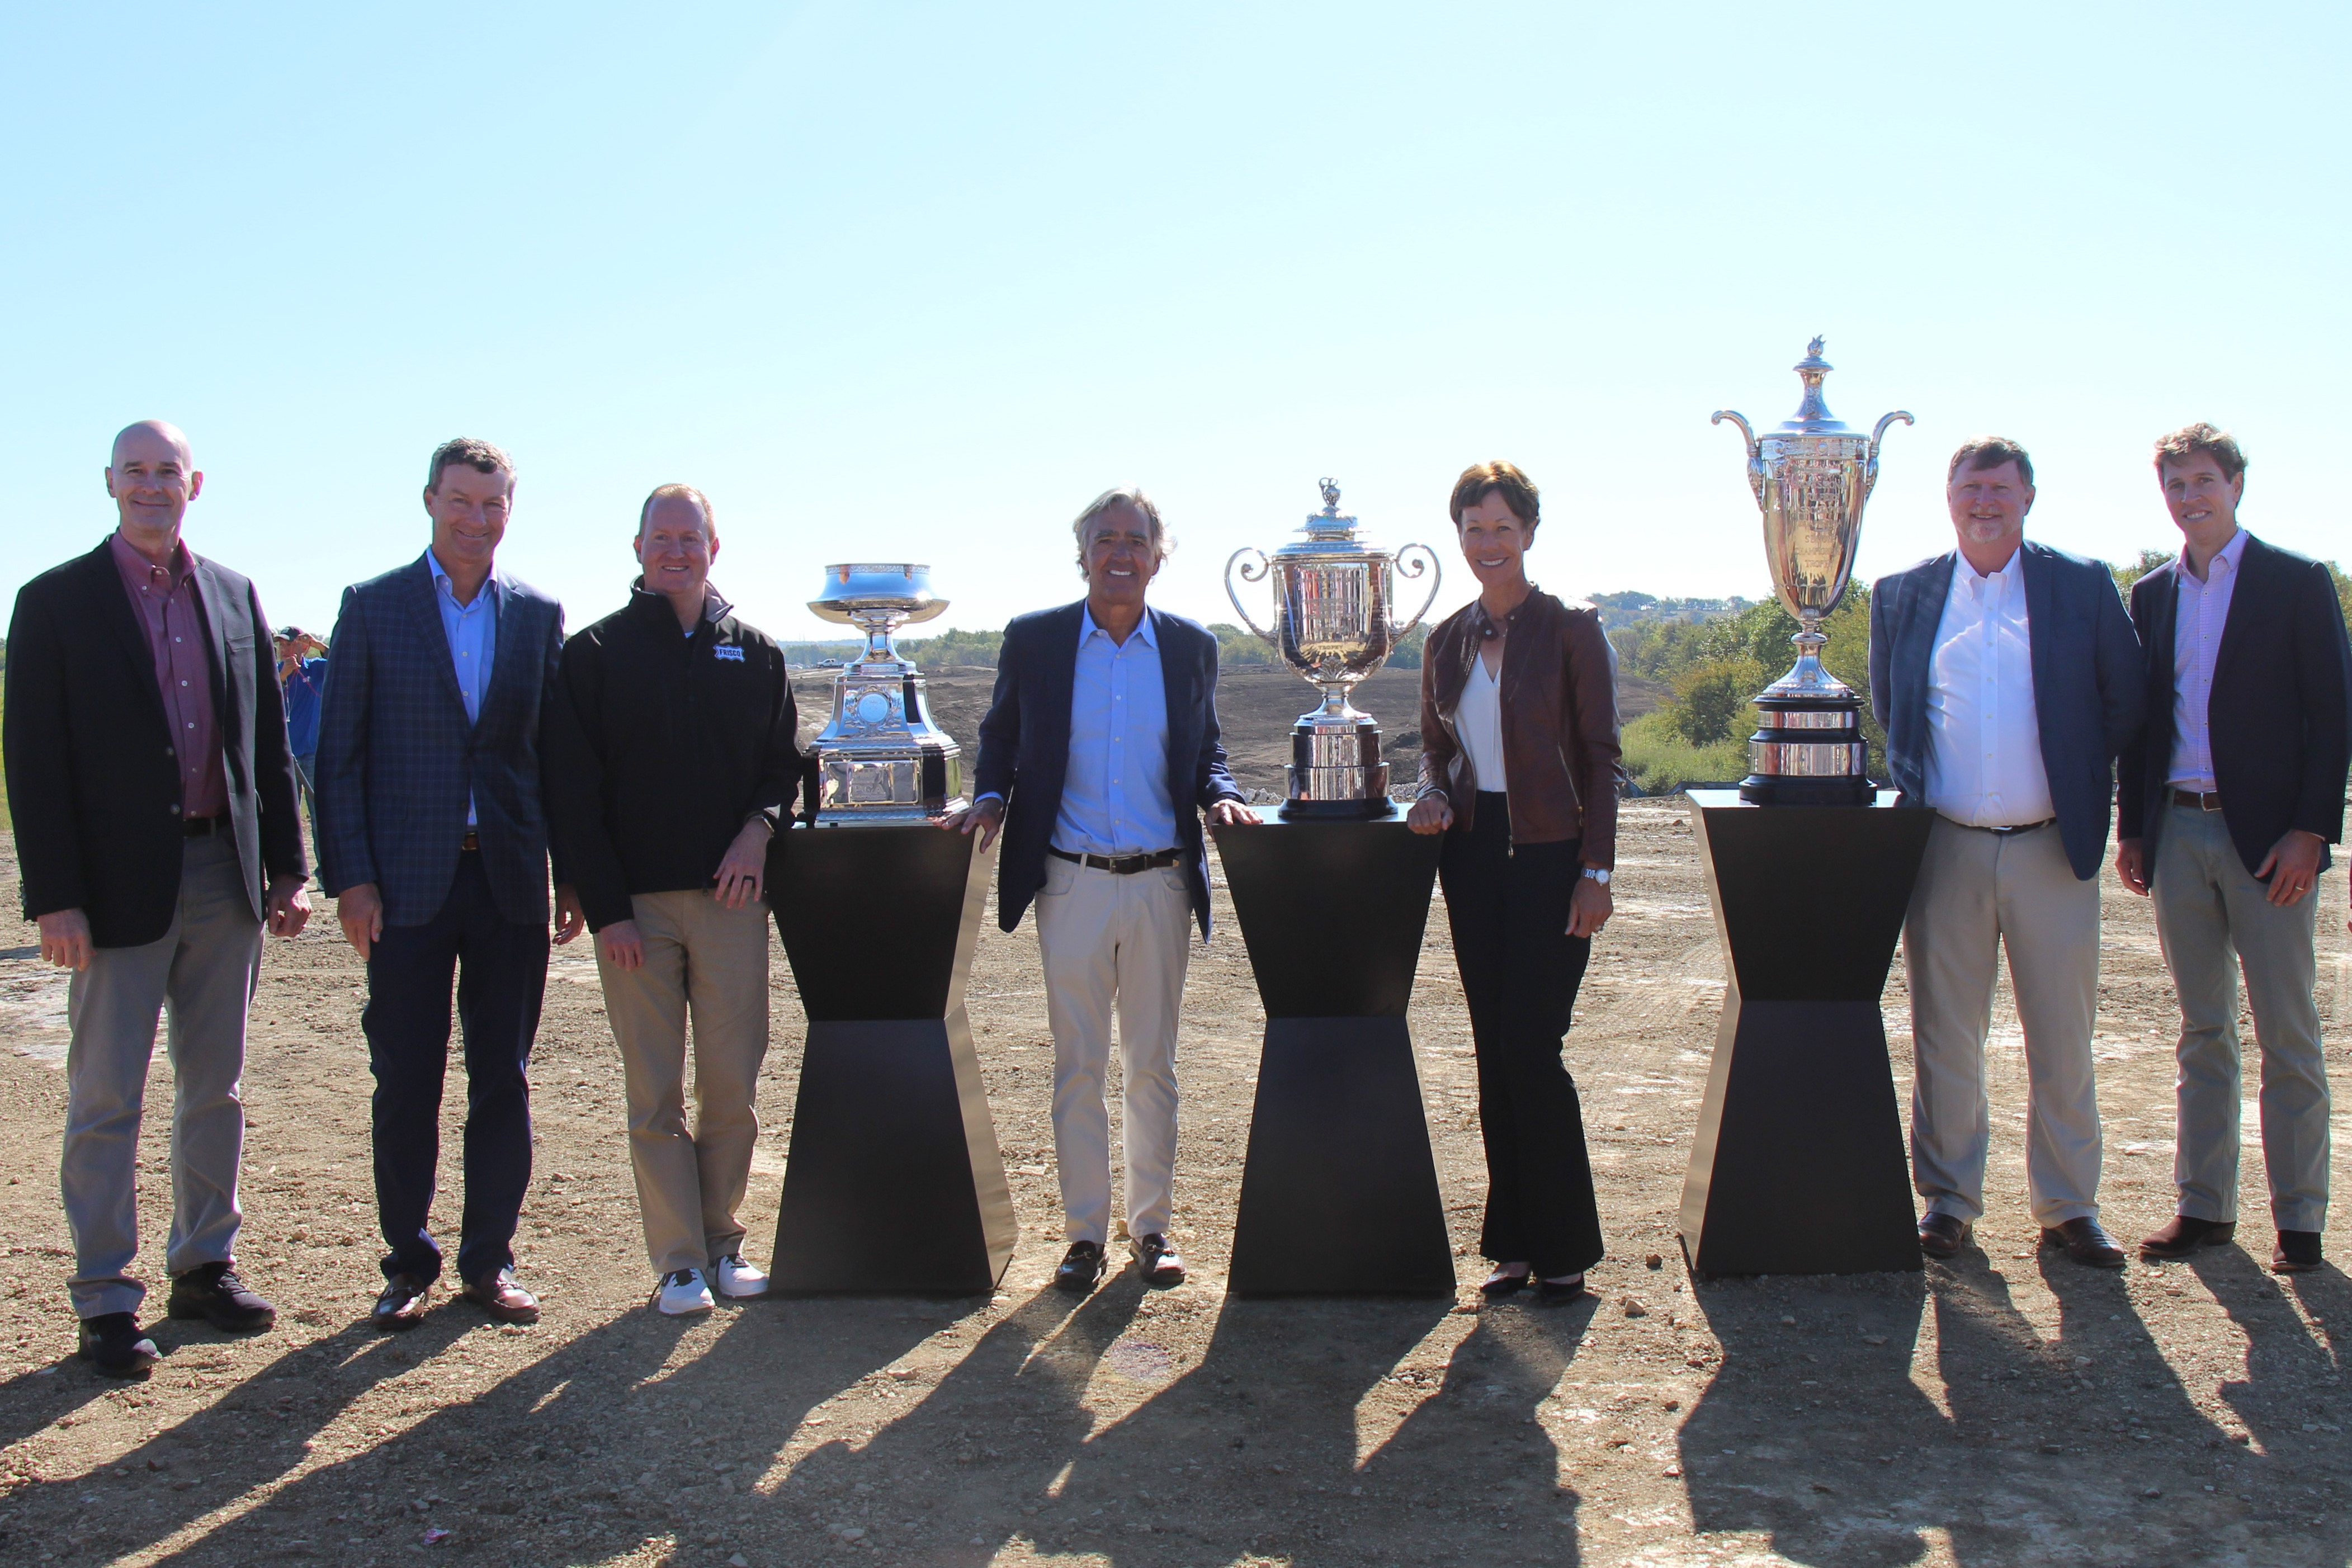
x=2008 y=677
x=433 y=839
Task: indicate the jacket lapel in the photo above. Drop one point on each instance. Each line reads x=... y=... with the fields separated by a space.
x=123 y=626
x=1178 y=680
x=2163 y=626
x=219 y=610
x=1921 y=611
x=1061 y=677
x=425 y=608
x=2246 y=601
x=2035 y=563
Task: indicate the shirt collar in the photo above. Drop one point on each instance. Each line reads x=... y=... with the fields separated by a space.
x=1088 y=628
x=128 y=558
x=2229 y=553
x=441 y=580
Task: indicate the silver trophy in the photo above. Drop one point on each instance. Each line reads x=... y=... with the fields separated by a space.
x=1811 y=477
x=1332 y=594
x=881 y=760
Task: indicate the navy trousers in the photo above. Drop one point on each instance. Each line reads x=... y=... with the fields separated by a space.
x=500 y=972
x=1508 y=909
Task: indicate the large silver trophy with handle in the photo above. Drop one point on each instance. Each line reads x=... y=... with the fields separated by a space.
x=880 y=760
x=1332 y=597
x=1811 y=477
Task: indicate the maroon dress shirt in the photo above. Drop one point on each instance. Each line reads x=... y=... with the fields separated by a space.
x=166 y=605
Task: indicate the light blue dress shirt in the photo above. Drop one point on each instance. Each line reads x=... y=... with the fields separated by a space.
x=1115 y=797
x=2200 y=614
x=473 y=633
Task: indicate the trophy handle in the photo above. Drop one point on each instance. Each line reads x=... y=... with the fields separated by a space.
x=1755 y=449
x=1878 y=435
x=1247 y=576
x=1436 y=574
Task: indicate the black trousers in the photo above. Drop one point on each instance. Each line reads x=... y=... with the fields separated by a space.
x=1508 y=909
x=500 y=970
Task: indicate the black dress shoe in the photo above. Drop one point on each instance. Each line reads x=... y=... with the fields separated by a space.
x=402 y=1305
x=1157 y=1260
x=1943 y=1235
x=2298 y=1252
x=1499 y=1284
x=213 y=1291
x=112 y=1342
x=2185 y=1235
x=2086 y=1242
x=1081 y=1267
x=1559 y=1292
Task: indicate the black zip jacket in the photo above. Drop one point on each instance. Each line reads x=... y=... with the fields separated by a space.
x=663 y=747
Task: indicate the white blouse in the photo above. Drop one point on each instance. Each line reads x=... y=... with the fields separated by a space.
x=1478 y=719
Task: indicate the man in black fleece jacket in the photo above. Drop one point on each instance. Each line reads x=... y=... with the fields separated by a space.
x=672 y=759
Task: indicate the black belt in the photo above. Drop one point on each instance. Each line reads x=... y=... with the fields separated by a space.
x=1122 y=866
x=198 y=827
x=2022 y=828
x=2210 y=801
x=473 y=841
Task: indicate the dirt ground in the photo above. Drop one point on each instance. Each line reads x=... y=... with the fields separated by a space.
x=2008 y=1409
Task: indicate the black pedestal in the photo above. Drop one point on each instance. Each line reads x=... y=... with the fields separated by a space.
x=1339 y=1193
x=893 y=1182
x=1798 y=1165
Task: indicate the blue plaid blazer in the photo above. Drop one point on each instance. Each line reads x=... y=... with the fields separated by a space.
x=397 y=757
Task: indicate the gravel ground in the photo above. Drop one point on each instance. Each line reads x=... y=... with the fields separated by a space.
x=2013 y=1408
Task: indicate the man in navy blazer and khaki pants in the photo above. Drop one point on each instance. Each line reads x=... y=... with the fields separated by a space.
x=2230 y=797
x=433 y=838
x=1103 y=736
x=2007 y=678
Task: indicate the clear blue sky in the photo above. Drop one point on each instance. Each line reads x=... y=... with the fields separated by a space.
x=902 y=281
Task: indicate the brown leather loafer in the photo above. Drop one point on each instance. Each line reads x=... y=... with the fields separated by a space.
x=2083 y=1240
x=2298 y=1252
x=1943 y=1235
x=502 y=1299
x=402 y=1305
x=2185 y=1235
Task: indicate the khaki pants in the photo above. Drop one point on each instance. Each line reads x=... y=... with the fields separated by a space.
x=709 y=962
x=1978 y=893
x=200 y=973
x=2213 y=917
x=1110 y=942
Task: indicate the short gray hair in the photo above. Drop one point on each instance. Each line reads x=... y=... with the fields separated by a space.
x=1133 y=495
x=677 y=492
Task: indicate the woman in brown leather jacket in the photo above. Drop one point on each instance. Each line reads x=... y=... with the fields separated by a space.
x=1519 y=769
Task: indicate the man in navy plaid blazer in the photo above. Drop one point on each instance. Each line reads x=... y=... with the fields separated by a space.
x=433 y=838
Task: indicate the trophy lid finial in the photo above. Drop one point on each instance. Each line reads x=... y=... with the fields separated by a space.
x=1330 y=488
x=1812 y=414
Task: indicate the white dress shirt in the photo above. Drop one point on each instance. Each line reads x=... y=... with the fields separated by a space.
x=1478 y=719
x=1984 y=741
x=2199 y=613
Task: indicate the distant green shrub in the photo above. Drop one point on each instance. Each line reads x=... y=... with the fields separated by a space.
x=1661 y=760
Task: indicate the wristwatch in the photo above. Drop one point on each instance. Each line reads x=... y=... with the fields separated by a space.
x=1599 y=874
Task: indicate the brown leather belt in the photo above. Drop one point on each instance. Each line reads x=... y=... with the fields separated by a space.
x=2210 y=801
x=473 y=841
x=197 y=826
x=1125 y=864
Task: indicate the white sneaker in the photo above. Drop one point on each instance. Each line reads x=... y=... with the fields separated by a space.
x=738 y=1280
x=684 y=1292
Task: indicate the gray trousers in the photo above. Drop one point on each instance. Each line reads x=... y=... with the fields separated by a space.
x=200 y=974
x=2214 y=918
x=1978 y=893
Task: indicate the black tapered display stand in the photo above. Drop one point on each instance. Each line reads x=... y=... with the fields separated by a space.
x=1339 y=1193
x=893 y=1183
x=1797 y=1167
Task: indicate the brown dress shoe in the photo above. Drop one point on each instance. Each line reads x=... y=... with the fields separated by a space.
x=502 y=1299
x=2085 y=1241
x=2185 y=1235
x=2298 y=1252
x=1943 y=1235
x=402 y=1305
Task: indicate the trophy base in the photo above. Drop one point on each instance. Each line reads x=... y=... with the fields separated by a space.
x=898 y=786
x=1336 y=771
x=1808 y=749
x=1377 y=809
